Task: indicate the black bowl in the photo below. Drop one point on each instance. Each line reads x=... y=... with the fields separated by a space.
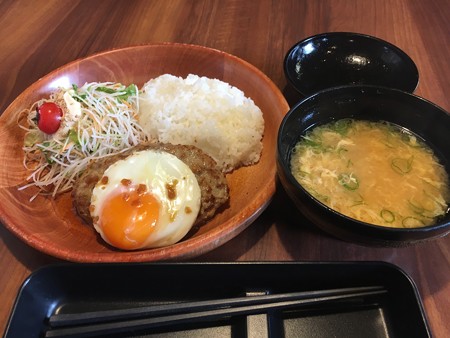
x=335 y=59
x=372 y=103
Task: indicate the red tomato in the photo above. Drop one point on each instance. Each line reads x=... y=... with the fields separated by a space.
x=49 y=116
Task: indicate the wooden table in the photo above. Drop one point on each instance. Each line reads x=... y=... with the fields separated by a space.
x=39 y=36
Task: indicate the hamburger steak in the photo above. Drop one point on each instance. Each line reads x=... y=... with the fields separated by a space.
x=212 y=182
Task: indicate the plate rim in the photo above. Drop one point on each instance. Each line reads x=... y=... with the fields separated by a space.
x=203 y=243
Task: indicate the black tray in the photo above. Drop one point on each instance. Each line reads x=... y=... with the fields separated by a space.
x=68 y=288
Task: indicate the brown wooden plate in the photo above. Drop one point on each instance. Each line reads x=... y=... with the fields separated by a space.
x=52 y=226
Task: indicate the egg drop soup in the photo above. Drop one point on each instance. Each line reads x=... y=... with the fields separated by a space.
x=374 y=172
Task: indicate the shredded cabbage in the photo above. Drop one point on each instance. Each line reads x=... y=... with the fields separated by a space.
x=99 y=120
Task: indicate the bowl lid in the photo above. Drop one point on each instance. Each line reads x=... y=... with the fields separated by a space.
x=343 y=58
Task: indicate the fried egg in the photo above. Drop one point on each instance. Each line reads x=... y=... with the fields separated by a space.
x=149 y=199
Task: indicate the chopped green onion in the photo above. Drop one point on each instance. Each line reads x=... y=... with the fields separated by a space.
x=410 y=139
x=387 y=144
x=341 y=126
x=358 y=202
x=319 y=196
x=420 y=210
x=440 y=201
x=401 y=165
x=309 y=142
x=412 y=222
x=387 y=215
x=416 y=208
x=341 y=152
x=303 y=173
x=348 y=181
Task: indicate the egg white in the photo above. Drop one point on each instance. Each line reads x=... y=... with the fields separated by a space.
x=155 y=169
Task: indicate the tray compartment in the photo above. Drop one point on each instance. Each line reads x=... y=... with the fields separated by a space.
x=68 y=288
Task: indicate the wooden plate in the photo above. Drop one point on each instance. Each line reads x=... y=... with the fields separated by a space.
x=52 y=226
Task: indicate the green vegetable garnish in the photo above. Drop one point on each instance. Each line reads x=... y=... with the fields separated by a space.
x=342 y=152
x=342 y=126
x=105 y=90
x=73 y=136
x=412 y=222
x=77 y=96
x=129 y=91
x=309 y=142
x=348 y=181
x=421 y=210
x=359 y=202
x=387 y=215
x=401 y=165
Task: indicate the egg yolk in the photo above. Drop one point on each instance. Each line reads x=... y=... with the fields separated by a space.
x=128 y=217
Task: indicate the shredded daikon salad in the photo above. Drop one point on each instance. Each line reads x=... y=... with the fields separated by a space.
x=99 y=120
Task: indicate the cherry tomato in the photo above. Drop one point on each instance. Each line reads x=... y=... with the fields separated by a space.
x=49 y=116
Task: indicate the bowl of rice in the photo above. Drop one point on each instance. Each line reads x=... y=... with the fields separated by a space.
x=187 y=95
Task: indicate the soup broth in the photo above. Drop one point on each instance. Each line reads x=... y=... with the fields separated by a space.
x=373 y=172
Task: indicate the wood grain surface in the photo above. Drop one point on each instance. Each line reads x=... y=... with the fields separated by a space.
x=55 y=228
x=40 y=36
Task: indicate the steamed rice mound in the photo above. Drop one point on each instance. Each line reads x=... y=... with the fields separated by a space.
x=206 y=113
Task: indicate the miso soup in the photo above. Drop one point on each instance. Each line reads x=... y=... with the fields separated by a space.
x=374 y=172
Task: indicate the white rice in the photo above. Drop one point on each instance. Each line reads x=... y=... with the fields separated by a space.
x=207 y=113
